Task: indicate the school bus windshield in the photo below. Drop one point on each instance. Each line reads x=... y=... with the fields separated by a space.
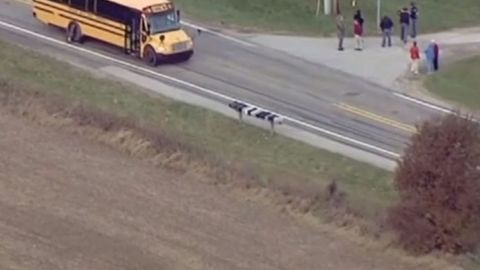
x=163 y=22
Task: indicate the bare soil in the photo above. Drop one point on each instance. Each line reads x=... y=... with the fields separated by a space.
x=70 y=202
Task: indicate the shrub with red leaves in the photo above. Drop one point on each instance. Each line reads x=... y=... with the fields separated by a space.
x=438 y=181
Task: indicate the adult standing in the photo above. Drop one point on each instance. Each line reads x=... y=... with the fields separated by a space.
x=358 y=33
x=430 y=56
x=436 y=53
x=404 y=22
x=358 y=29
x=340 y=31
x=386 y=26
x=414 y=57
x=413 y=18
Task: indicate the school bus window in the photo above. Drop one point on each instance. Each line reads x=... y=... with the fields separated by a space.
x=78 y=4
x=112 y=11
x=162 y=22
x=91 y=5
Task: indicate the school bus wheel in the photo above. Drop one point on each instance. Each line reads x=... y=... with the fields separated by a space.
x=186 y=55
x=74 y=33
x=150 y=57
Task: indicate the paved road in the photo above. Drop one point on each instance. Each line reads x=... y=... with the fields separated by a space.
x=312 y=93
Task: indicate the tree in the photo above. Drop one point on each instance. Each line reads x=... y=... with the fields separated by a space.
x=438 y=181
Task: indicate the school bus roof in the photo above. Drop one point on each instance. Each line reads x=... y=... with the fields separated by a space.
x=139 y=4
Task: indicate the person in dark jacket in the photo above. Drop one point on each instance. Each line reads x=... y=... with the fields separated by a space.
x=430 y=56
x=436 y=55
x=404 y=22
x=386 y=25
x=413 y=19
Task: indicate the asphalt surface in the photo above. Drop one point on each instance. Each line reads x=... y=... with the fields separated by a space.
x=305 y=91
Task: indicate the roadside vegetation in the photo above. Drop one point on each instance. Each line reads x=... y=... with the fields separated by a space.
x=294 y=175
x=231 y=151
x=438 y=182
x=458 y=83
x=298 y=16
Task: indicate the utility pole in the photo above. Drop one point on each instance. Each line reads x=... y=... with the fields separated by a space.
x=327 y=7
x=318 y=8
x=378 y=12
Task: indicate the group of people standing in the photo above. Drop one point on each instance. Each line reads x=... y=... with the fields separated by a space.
x=431 y=57
x=408 y=22
x=358 y=22
x=408 y=27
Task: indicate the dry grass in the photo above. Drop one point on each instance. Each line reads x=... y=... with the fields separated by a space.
x=135 y=135
x=144 y=142
x=308 y=202
x=256 y=153
x=140 y=140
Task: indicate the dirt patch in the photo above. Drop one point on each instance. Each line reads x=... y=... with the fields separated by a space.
x=70 y=200
x=141 y=141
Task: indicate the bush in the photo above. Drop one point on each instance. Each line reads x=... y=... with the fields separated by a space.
x=438 y=181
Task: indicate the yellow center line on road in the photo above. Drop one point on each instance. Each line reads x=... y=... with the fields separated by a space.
x=343 y=106
x=376 y=117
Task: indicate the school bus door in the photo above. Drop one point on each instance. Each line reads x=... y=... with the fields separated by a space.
x=145 y=35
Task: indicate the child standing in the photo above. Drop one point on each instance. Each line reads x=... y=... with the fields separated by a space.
x=414 y=57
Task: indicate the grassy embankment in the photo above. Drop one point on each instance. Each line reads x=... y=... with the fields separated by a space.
x=270 y=159
x=298 y=16
x=458 y=83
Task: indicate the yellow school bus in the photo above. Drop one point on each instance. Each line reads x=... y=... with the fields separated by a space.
x=148 y=29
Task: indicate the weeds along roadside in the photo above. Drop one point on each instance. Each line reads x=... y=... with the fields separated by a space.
x=143 y=141
x=185 y=138
x=139 y=141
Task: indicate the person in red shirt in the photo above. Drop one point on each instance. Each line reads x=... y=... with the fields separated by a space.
x=358 y=32
x=414 y=57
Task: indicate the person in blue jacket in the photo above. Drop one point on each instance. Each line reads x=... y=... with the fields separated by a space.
x=430 y=56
